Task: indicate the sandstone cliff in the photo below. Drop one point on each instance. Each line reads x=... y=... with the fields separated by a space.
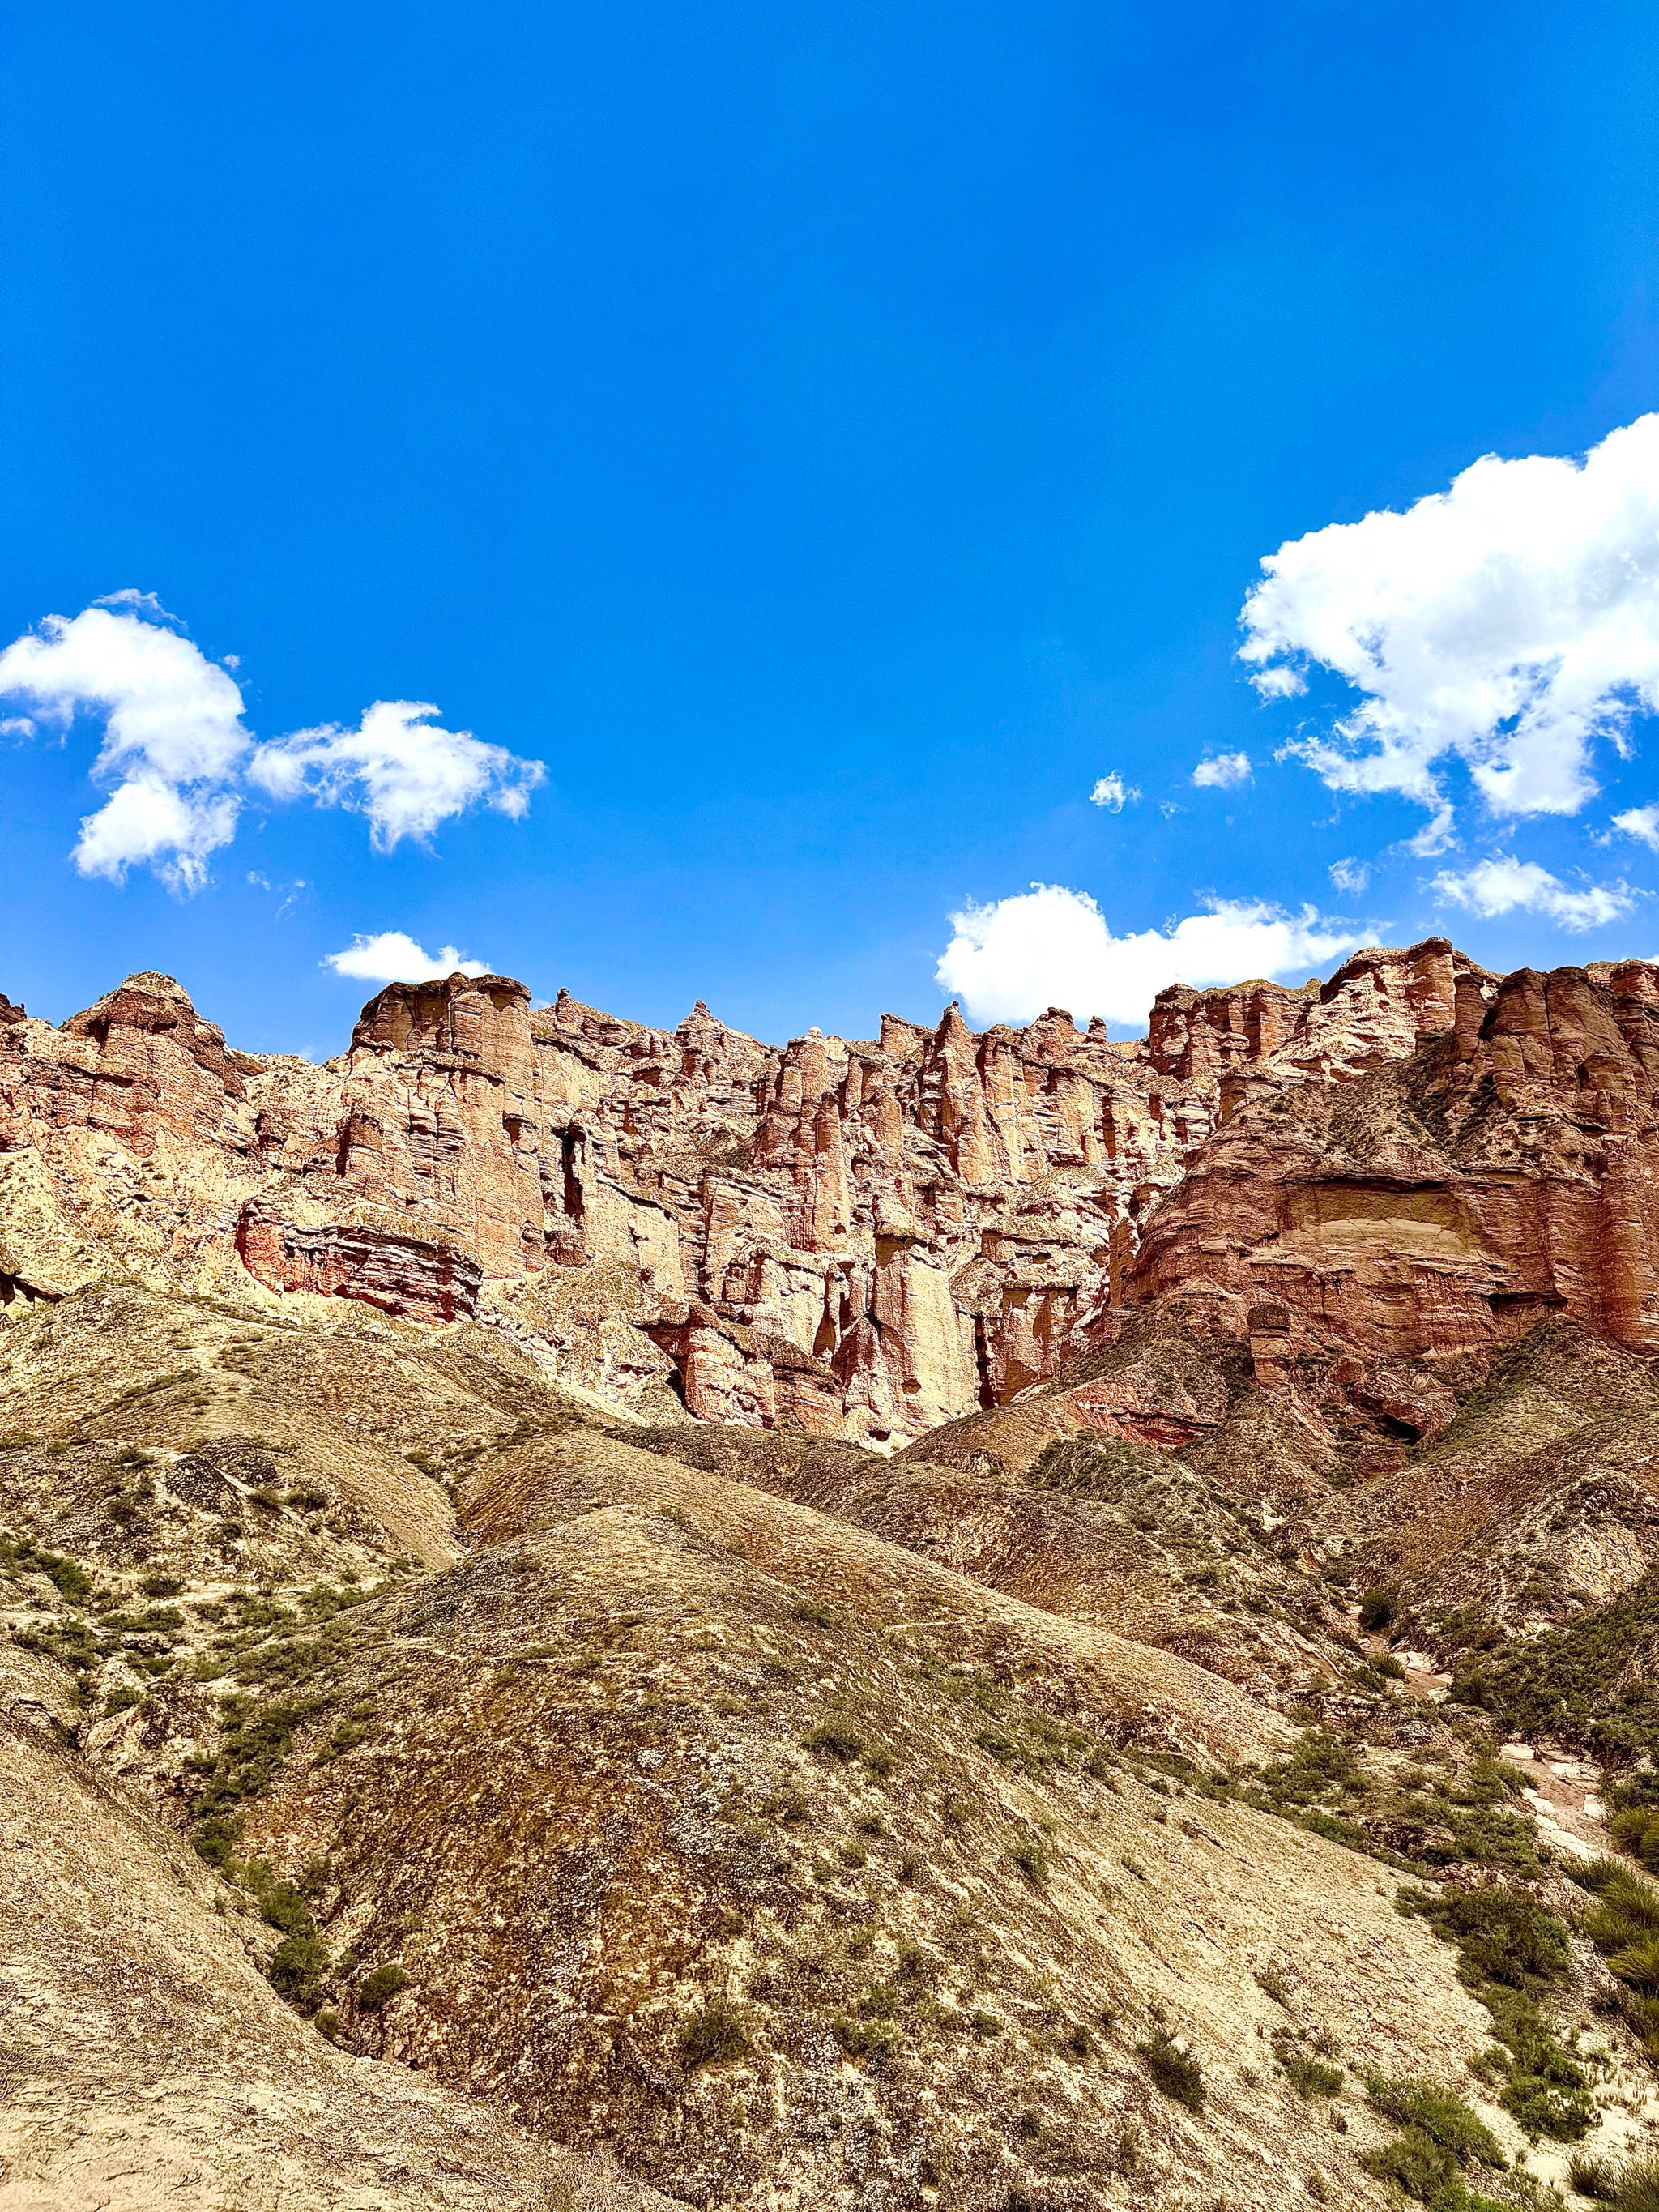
x=858 y=1239
x=1265 y=1508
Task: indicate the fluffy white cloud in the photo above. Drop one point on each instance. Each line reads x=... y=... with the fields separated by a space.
x=1504 y=885
x=1641 y=822
x=146 y=819
x=1051 y=946
x=1351 y=875
x=393 y=956
x=1113 y=793
x=180 y=760
x=174 y=741
x=400 y=768
x=1506 y=623
x=1224 y=772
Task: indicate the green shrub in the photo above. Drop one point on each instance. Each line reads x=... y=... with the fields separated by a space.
x=1033 y=1861
x=1592 y=1681
x=69 y=1579
x=280 y=1903
x=1175 y=2071
x=1413 y=2161
x=1318 y=1763
x=1625 y=1929
x=864 y=2038
x=1621 y=1891
x=1444 y=2119
x=298 y=1964
x=712 y=2036
x=1501 y=1934
x=1635 y=1829
x=1639 y=2187
x=838 y=1738
x=376 y=1990
x=1310 y=2077
x=1375 y=1611
x=1595 y=2179
x=1549 y=2096
x=1638 y=1963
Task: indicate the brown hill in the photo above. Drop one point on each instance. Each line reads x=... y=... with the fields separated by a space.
x=680 y=1823
x=484 y=1725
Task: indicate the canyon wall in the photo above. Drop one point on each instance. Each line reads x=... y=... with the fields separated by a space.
x=865 y=1239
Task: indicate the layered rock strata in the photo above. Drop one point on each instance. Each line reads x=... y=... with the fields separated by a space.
x=864 y=1239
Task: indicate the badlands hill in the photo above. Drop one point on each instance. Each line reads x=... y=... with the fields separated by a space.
x=607 y=1618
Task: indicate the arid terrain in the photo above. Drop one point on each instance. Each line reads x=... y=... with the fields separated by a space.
x=1006 y=1623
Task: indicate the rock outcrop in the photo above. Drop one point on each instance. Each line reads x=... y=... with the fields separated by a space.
x=390 y=1669
x=1443 y=1202
x=864 y=1240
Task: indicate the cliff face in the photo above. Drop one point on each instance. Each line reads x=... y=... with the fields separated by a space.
x=799 y=1825
x=866 y=1239
x=1446 y=1201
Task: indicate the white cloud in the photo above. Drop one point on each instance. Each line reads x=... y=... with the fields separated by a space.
x=1222 y=772
x=400 y=768
x=1641 y=822
x=393 y=956
x=1507 y=623
x=1351 y=875
x=1051 y=946
x=1279 y=683
x=174 y=740
x=1504 y=884
x=139 y=603
x=1113 y=793
x=147 y=819
x=179 y=758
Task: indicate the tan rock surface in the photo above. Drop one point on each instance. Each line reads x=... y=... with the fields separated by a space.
x=860 y=1239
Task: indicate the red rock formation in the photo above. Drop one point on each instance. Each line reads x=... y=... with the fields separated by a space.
x=870 y=1238
x=1450 y=1198
x=405 y=1275
x=139 y=1065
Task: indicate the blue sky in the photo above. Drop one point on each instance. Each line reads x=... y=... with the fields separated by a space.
x=831 y=441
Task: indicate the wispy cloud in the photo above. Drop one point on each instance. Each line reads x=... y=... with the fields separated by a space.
x=181 y=761
x=1506 y=885
x=1050 y=946
x=1506 y=623
x=1351 y=875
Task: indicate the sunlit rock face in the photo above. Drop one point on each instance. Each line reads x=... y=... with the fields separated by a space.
x=1447 y=1199
x=865 y=1238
